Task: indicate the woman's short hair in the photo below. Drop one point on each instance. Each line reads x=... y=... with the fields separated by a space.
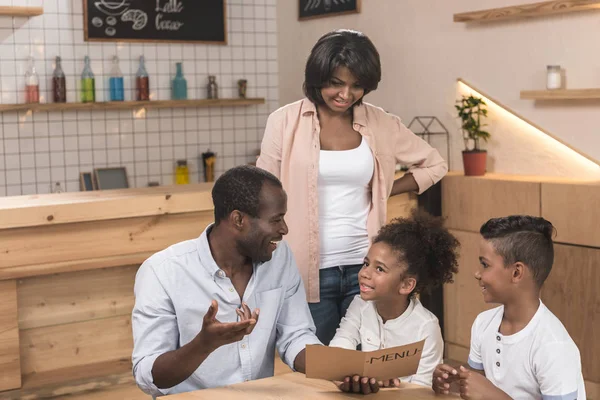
x=341 y=48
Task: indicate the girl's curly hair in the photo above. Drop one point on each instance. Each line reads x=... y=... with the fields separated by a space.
x=429 y=250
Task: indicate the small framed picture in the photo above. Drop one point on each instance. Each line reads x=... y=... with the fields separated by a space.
x=86 y=182
x=111 y=178
x=309 y=9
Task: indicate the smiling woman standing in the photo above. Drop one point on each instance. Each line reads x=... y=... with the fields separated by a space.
x=336 y=158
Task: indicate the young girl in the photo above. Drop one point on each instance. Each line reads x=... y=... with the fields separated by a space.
x=408 y=256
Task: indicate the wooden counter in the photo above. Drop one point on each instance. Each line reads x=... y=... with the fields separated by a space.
x=67 y=268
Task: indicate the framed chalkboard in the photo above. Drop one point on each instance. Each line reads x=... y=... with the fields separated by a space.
x=309 y=9
x=201 y=21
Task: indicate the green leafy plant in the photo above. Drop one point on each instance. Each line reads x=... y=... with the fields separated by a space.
x=472 y=110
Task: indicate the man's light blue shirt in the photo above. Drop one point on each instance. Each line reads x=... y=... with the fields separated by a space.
x=173 y=290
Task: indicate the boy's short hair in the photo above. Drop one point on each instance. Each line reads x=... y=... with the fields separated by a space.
x=341 y=48
x=523 y=238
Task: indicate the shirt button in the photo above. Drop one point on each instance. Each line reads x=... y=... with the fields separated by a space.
x=497 y=363
x=498 y=338
x=243 y=346
x=221 y=274
x=231 y=289
x=498 y=351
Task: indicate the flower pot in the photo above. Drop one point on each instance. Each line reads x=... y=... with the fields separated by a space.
x=474 y=162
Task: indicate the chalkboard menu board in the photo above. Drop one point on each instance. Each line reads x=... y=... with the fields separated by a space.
x=155 y=20
x=309 y=9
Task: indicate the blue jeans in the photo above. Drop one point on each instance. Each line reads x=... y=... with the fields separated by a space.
x=337 y=287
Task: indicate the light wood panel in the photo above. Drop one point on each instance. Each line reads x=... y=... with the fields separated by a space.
x=574 y=210
x=16 y=11
x=126 y=391
x=73 y=380
x=561 y=94
x=401 y=205
x=571 y=293
x=468 y=202
x=24 y=271
x=30 y=246
x=455 y=354
x=78 y=344
x=61 y=208
x=124 y=105
x=75 y=297
x=528 y=10
x=10 y=366
x=463 y=300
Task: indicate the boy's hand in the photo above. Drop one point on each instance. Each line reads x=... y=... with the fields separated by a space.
x=475 y=386
x=389 y=383
x=358 y=384
x=443 y=376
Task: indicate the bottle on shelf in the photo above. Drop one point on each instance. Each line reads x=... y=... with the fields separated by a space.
x=117 y=92
x=88 y=83
x=179 y=89
x=32 y=84
x=142 y=82
x=59 y=87
x=182 y=173
x=212 y=87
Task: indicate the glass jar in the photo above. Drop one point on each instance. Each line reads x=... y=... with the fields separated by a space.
x=182 y=173
x=553 y=79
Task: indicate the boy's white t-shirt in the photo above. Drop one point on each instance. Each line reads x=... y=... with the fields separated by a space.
x=541 y=361
x=363 y=325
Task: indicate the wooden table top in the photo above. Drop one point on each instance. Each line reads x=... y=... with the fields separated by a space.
x=296 y=386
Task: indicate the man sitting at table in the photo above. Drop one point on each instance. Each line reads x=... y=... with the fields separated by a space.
x=192 y=317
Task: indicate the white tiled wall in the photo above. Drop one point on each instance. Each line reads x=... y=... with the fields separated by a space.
x=37 y=150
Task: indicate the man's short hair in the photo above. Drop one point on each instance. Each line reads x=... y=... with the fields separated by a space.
x=239 y=189
x=523 y=238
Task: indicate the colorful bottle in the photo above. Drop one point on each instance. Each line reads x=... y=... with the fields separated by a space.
x=179 y=89
x=117 y=92
x=88 y=83
x=182 y=173
x=142 y=82
x=59 y=86
x=32 y=84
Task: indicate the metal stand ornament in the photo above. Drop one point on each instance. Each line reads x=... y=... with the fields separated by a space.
x=423 y=126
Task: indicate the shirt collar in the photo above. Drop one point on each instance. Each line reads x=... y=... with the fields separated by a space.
x=359 y=112
x=206 y=258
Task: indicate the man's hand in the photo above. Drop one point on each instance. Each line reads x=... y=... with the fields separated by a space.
x=365 y=385
x=475 y=386
x=215 y=334
x=443 y=376
x=245 y=315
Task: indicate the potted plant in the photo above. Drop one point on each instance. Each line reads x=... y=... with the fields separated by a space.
x=471 y=111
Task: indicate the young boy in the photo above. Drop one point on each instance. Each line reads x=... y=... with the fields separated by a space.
x=408 y=256
x=520 y=349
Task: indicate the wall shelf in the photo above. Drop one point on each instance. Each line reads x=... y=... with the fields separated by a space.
x=21 y=11
x=528 y=10
x=124 y=105
x=561 y=94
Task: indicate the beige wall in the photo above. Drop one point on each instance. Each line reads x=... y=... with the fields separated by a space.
x=423 y=53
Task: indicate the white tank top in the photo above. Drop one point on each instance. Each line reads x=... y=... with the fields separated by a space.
x=344 y=204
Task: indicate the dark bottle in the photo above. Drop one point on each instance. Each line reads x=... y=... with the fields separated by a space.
x=142 y=82
x=59 y=86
